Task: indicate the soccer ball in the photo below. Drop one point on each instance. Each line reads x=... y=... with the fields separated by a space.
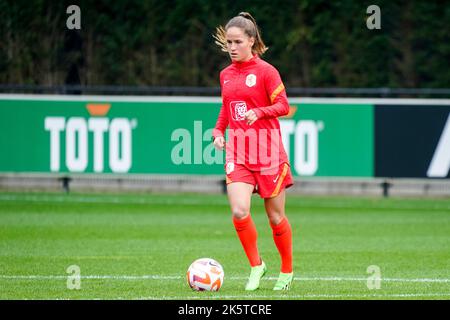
x=205 y=274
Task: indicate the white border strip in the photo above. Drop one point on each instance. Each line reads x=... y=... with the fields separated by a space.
x=308 y=100
x=197 y=99
x=106 y=99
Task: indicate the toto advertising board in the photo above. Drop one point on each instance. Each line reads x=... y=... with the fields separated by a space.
x=172 y=135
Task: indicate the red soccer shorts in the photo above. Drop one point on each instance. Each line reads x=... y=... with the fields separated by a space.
x=266 y=185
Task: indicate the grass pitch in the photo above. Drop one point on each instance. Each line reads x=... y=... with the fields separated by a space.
x=140 y=246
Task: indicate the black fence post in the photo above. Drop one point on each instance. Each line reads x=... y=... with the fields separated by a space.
x=224 y=186
x=66 y=183
x=385 y=185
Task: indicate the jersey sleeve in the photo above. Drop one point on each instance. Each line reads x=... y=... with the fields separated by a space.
x=222 y=119
x=221 y=123
x=279 y=105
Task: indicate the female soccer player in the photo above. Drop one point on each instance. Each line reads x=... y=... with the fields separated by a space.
x=253 y=96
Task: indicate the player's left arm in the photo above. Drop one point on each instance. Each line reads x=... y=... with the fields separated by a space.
x=277 y=95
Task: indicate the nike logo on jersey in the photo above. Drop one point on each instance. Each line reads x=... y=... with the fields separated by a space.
x=275 y=180
x=225 y=81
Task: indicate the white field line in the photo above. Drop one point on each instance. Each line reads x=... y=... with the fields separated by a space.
x=179 y=201
x=285 y=296
x=94 y=199
x=108 y=199
x=199 y=99
x=176 y=277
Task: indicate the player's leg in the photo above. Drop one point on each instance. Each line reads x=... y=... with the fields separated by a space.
x=239 y=196
x=282 y=236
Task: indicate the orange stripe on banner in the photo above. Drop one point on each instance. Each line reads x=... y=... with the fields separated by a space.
x=276 y=92
x=280 y=181
x=98 y=109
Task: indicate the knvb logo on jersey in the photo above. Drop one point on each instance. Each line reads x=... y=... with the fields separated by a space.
x=72 y=137
x=250 y=81
x=238 y=110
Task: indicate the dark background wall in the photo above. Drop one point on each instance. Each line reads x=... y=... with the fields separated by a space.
x=169 y=42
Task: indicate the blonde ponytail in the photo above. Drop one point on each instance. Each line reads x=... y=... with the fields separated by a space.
x=221 y=39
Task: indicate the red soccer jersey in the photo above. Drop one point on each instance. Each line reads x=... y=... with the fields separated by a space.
x=252 y=85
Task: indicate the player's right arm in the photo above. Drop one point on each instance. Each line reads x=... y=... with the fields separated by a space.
x=221 y=125
x=219 y=130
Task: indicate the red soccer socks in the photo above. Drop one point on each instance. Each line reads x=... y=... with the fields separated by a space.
x=282 y=235
x=248 y=235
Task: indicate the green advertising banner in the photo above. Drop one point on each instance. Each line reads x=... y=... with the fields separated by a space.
x=169 y=135
x=330 y=139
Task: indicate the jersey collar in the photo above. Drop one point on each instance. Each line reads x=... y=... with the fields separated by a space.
x=250 y=62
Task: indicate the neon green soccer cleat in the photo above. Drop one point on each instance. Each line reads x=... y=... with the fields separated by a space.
x=284 y=281
x=255 y=276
